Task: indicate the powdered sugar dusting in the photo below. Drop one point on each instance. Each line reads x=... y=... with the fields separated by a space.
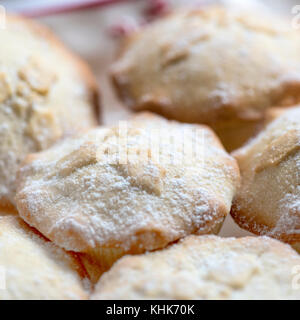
x=38 y=88
x=269 y=200
x=36 y=268
x=86 y=200
x=205 y=267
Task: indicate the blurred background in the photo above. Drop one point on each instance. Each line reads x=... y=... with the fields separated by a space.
x=94 y=29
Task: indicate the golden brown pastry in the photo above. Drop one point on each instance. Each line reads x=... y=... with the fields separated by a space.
x=275 y=112
x=84 y=196
x=268 y=202
x=216 y=66
x=46 y=93
x=34 y=268
x=205 y=267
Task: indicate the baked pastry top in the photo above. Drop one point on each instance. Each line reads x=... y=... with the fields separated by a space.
x=205 y=267
x=44 y=90
x=34 y=268
x=268 y=201
x=215 y=66
x=148 y=182
x=85 y=196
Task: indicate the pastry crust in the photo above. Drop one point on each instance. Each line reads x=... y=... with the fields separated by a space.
x=44 y=90
x=268 y=202
x=215 y=66
x=275 y=112
x=84 y=197
x=34 y=268
x=205 y=267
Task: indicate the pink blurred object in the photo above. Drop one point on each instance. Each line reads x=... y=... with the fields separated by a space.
x=69 y=6
x=123 y=29
x=156 y=8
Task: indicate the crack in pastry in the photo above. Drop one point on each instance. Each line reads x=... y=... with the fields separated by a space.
x=147 y=176
x=175 y=53
x=279 y=150
x=205 y=267
x=82 y=195
x=44 y=90
x=84 y=156
x=38 y=80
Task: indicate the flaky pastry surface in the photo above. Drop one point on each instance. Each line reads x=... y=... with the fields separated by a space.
x=205 y=267
x=77 y=195
x=34 y=268
x=44 y=91
x=215 y=66
x=268 y=201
